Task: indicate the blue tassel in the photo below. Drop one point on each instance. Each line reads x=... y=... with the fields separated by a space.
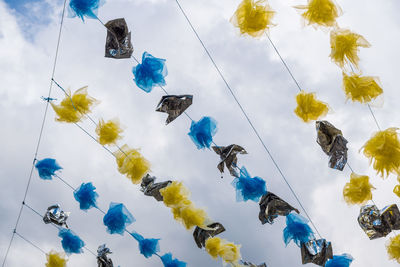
x=249 y=188
x=70 y=242
x=117 y=218
x=84 y=8
x=47 y=168
x=169 y=262
x=201 y=132
x=343 y=260
x=86 y=196
x=147 y=246
x=297 y=230
x=150 y=73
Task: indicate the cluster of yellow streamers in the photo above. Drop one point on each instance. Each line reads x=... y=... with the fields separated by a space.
x=359 y=88
x=229 y=252
x=383 y=150
x=55 y=259
x=393 y=248
x=344 y=47
x=73 y=108
x=253 y=17
x=108 y=132
x=321 y=12
x=358 y=190
x=309 y=107
x=131 y=163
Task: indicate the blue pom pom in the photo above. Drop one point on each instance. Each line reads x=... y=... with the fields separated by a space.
x=343 y=260
x=70 y=242
x=150 y=73
x=201 y=132
x=86 y=196
x=147 y=246
x=47 y=168
x=169 y=262
x=84 y=8
x=297 y=230
x=249 y=188
x=117 y=218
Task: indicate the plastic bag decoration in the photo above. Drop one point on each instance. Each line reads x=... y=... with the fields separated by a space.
x=358 y=190
x=117 y=218
x=147 y=246
x=102 y=257
x=228 y=155
x=55 y=259
x=271 y=206
x=108 y=132
x=248 y=188
x=118 y=41
x=393 y=248
x=70 y=242
x=333 y=144
x=383 y=150
x=84 y=8
x=253 y=17
x=47 y=168
x=200 y=235
x=86 y=196
x=343 y=260
x=316 y=251
x=131 y=163
x=55 y=215
x=345 y=47
x=362 y=89
x=297 y=230
x=217 y=247
x=202 y=132
x=309 y=108
x=169 y=262
x=320 y=12
x=150 y=73
x=174 y=105
x=245 y=263
x=149 y=188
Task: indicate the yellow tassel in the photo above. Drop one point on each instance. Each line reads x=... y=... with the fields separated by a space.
x=253 y=17
x=321 y=12
x=108 y=132
x=229 y=252
x=190 y=216
x=174 y=194
x=361 y=88
x=383 y=150
x=55 y=259
x=309 y=107
x=345 y=46
x=358 y=190
x=393 y=248
x=132 y=164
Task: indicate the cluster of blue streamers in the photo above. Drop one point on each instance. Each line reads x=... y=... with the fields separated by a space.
x=70 y=242
x=150 y=73
x=86 y=196
x=201 y=132
x=169 y=262
x=84 y=8
x=47 y=168
x=147 y=246
x=117 y=218
x=249 y=188
x=297 y=229
x=343 y=260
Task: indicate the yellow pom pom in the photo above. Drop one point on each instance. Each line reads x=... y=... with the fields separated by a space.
x=108 y=132
x=393 y=248
x=132 y=164
x=212 y=246
x=358 y=190
x=309 y=107
x=361 y=88
x=55 y=259
x=383 y=149
x=253 y=17
x=229 y=252
x=321 y=12
x=190 y=216
x=175 y=194
x=344 y=47
x=396 y=190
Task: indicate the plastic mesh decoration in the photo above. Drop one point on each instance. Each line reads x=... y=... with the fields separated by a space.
x=108 y=133
x=297 y=229
x=248 y=188
x=174 y=194
x=253 y=17
x=168 y=261
x=174 y=105
x=343 y=260
x=272 y=206
x=228 y=157
x=102 y=256
x=309 y=108
x=358 y=190
x=84 y=8
x=393 y=248
x=55 y=259
x=189 y=215
x=363 y=89
x=147 y=246
x=47 y=168
x=70 y=242
x=396 y=189
x=118 y=41
x=217 y=247
x=200 y=235
x=150 y=73
x=117 y=218
x=320 y=12
x=202 y=132
x=86 y=196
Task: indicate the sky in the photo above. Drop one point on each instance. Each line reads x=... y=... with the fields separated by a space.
x=28 y=36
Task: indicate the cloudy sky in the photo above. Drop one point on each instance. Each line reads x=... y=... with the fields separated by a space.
x=28 y=35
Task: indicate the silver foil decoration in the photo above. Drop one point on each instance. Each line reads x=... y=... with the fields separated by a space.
x=149 y=188
x=391 y=216
x=228 y=155
x=271 y=206
x=316 y=251
x=246 y=263
x=174 y=105
x=118 y=41
x=102 y=258
x=55 y=215
x=201 y=235
x=333 y=144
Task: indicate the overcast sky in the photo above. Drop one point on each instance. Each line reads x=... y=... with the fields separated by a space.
x=28 y=34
